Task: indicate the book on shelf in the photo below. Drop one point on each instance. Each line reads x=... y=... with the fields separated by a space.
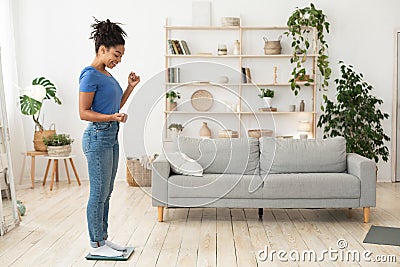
x=178 y=47
x=174 y=47
x=174 y=75
x=246 y=75
x=185 y=47
x=244 y=80
x=171 y=47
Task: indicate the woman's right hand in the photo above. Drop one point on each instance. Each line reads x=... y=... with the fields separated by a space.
x=120 y=117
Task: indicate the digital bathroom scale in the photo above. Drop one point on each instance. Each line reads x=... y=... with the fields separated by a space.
x=124 y=257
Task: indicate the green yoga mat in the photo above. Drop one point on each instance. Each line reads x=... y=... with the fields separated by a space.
x=383 y=235
x=124 y=257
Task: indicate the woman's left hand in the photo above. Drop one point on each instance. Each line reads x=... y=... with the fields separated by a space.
x=133 y=79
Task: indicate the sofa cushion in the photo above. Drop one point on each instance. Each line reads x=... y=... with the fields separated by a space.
x=302 y=156
x=182 y=164
x=311 y=185
x=230 y=155
x=215 y=186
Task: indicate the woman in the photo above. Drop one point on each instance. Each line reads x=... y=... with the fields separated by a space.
x=100 y=99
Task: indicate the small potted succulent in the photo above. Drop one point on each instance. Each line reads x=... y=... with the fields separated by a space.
x=58 y=145
x=174 y=130
x=171 y=103
x=267 y=95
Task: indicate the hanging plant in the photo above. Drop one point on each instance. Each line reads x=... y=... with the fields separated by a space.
x=355 y=116
x=300 y=24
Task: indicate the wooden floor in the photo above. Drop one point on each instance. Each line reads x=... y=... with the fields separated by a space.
x=53 y=231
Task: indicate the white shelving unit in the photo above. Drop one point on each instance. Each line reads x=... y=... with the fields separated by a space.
x=238 y=87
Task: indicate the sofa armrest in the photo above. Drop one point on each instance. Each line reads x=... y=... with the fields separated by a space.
x=365 y=170
x=159 y=181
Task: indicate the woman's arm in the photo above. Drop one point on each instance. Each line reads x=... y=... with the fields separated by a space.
x=87 y=114
x=133 y=80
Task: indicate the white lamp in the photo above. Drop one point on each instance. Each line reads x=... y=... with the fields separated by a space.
x=304 y=128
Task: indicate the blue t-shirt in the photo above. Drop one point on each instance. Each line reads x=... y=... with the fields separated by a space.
x=108 y=92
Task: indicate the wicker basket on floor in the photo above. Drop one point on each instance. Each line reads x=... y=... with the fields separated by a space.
x=136 y=174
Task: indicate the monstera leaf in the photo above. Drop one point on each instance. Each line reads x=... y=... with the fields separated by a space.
x=29 y=106
x=50 y=88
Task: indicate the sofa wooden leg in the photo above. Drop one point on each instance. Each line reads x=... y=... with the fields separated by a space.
x=366 y=214
x=160 y=213
x=349 y=214
x=260 y=212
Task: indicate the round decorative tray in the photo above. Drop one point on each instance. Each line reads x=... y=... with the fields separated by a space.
x=202 y=100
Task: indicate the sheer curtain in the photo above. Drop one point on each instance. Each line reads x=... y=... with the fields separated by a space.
x=11 y=88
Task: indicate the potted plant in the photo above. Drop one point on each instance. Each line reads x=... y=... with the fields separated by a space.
x=31 y=104
x=174 y=130
x=355 y=116
x=171 y=103
x=267 y=95
x=58 y=145
x=301 y=23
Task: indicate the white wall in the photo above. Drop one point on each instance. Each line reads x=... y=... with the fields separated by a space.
x=52 y=40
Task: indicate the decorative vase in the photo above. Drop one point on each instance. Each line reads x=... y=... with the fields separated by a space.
x=171 y=106
x=222 y=50
x=59 y=151
x=173 y=134
x=236 y=47
x=21 y=207
x=205 y=132
x=268 y=101
x=302 y=105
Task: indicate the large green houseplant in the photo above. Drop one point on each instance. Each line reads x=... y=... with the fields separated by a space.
x=355 y=116
x=31 y=103
x=32 y=99
x=301 y=23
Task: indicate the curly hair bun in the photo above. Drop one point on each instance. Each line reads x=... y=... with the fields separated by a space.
x=107 y=33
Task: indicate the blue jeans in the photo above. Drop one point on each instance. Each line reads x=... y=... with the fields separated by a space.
x=100 y=145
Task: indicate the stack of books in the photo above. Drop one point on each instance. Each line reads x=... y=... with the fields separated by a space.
x=178 y=47
x=174 y=75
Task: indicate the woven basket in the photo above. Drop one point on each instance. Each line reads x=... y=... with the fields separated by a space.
x=59 y=151
x=272 y=48
x=136 y=174
x=38 y=143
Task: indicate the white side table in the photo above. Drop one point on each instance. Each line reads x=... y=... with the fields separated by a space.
x=55 y=169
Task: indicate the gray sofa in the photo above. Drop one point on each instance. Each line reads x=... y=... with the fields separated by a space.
x=267 y=173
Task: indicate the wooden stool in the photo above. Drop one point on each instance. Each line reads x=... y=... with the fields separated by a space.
x=55 y=169
x=33 y=154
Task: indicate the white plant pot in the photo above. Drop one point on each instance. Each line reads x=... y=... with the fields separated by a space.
x=268 y=102
x=59 y=151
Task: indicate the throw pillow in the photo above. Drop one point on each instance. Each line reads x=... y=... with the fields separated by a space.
x=182 y=164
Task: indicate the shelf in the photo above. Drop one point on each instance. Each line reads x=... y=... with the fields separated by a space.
x=203 y=28
x=237 y=56
x=237 y=113
x=202 y=56
x=277 y=112
x=200 y=112
x=252 y=57
x=232 y=84
x=274 y=84
x=202 y=84
x=275 y=56
x=228 y=28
